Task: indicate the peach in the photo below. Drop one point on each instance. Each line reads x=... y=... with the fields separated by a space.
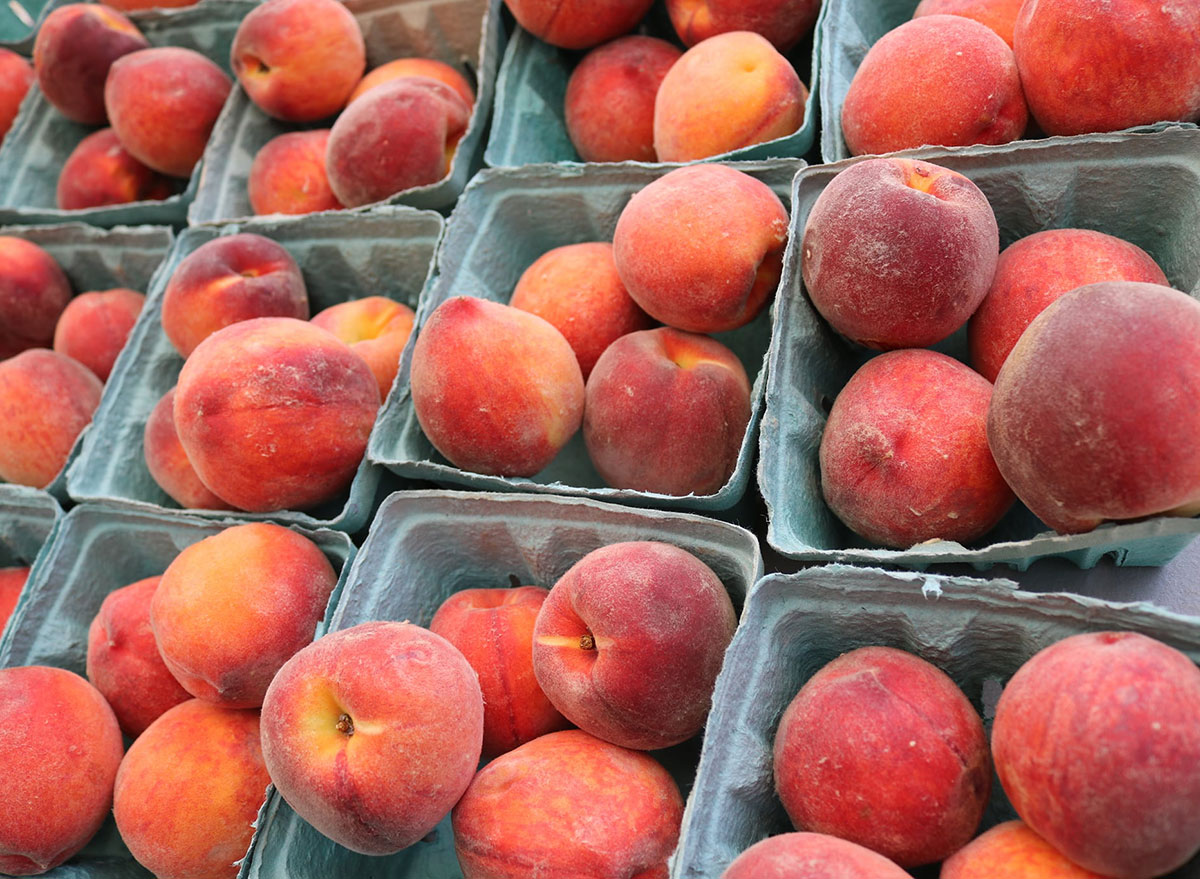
x=12 y=581
x=493 y=629
x=46 y=400
x=578 y=24
x=727 y=92
x=94 y=327
x=33 y=293
x=1011 y=851
x=227 y=280
x=701 y=248
x=577 y=289
x=75 y=47
x=599 y=810
x=60 y=752
x=168 y=463
x=629 y=642
x=944 y=80
x=376 y=329
x=163 y=104
x=496 y=390
x=101 y=172
x=1091 y=417
x=898 y=253
x=123 y=661
x=666 y=412
x=298 y=60
x=882 y=749
x=372 y=733
x=1101 y=731
x=999 y=15
x=810 y=856
x=189 y=790
x=16 y=75
x=1142 y=58
x=136 y=5
x=1034 y=271
x=782 y=22
x=428 y=67
x=288 y=175
x=274 y=414
x=609 y=106
x=904 y=456
x=427 y=116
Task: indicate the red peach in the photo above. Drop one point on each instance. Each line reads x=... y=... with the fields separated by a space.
x=1011 y=851
x=782 y=22
x=578 y=24
x=810 y=856
x=999 y=15
x=376 y=329
x=428 y=67
x=101 y=172
x=94 y=327
x=16 y=75
x=168 y=463
x=136 y=5
x=288 y=175
x=33 y=293
x=12 y=581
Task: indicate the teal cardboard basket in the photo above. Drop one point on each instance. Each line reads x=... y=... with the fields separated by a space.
x=27 y=515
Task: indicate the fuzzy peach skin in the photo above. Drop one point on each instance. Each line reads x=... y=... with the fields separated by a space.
x=729 y=91
x=1091 y=417
x=511 y=418
x=33 y=293
x=46 y=400
x=227 y=280
x=135 y=5
x=999 y=15
x=1100 y=732
x=578 y=24
x=810 y=856
x=163 y=104
x=372 y=733
x=60 y=752
x=168 y=462
x=629 y=642
x=298 y=60
x=493 y=629
x=1034 y=271
x=701 y=248
x=428 y=67
x=94 y=327
x=904 y=456
x=123 y=661
x=75 y=47
x=288 y=175
x=16 y=75
x=568 y=805
x=609 y=105
x=376 y=329
x=189 y=790
x=1011 y=851
x=426 y=115
x=666 y=412
x=881 y=748
x=1141 y=57
x=782 y=22
x=101 y=172
x=939 y=79
x=231 y=609
x=12 y=581
x=898 y=253
x=577 y=289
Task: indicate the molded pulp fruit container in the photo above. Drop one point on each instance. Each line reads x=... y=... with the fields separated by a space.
x=26 y=517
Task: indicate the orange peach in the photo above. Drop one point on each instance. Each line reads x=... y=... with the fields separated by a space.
x=376 y=329
x=189 y=790
x=429 y=67
x=123 y=661
x=372 y=733
x=60 y=752
x=810 y=856
x=233 y=608
x=578 y=24
x=939 y=79
x=510 y=417
x=666 y=411
x=46 y=400
x=163 y=104
x=999 y=15
x=275 y=413
x=136 y=5
x=288 y=175
x=227 y=280
x=94 y=327
x=1011 y=851
x=101 y=172
x=729 y=91
x=33 y=293
x=298 y=60
x=12 y=581
x=16 y=75
x=168 y=462
x=701 y=248
x=609 y=106
x=598 y=809
x=782 y=22
x=577 y=289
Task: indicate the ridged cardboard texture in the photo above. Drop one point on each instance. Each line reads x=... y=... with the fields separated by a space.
x=1144 y=188
x=426 y=545
x=506 y=219
x=464 y=33
x=978 y=632
x=388 y=252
